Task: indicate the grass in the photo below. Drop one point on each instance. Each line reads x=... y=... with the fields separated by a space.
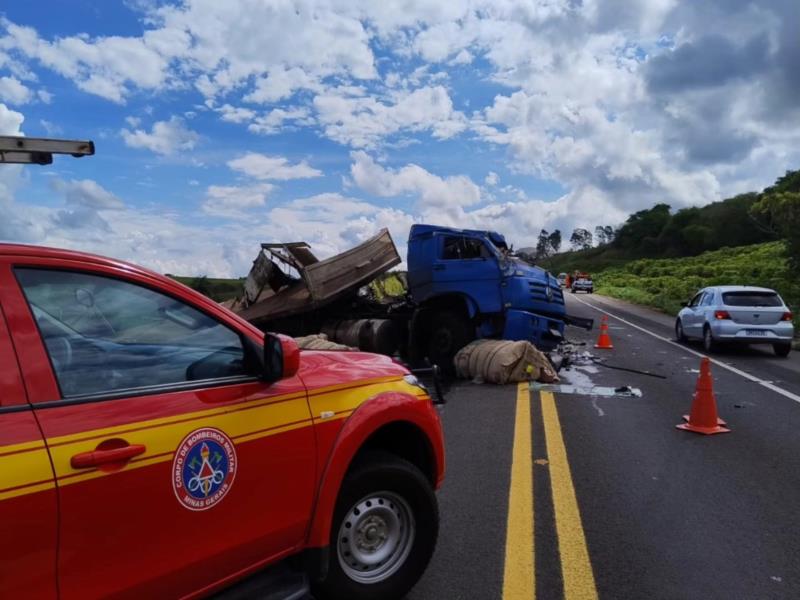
x=665 y=283
x=218 y=290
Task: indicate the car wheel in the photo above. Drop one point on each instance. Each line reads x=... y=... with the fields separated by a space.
x=782 y=350
x=449 y=333
x=384 y=531
x=679 y=334
x=708 y=340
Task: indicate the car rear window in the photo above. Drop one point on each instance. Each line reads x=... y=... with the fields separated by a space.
x=751 y=299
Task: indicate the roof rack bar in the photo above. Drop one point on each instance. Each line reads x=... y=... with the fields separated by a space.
x=20 y=149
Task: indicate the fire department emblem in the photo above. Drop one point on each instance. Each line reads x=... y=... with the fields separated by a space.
x=203 y=468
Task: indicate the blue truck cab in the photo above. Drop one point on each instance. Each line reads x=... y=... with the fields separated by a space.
x=467 y=285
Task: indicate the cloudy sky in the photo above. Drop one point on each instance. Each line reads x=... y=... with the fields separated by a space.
x=219 y=125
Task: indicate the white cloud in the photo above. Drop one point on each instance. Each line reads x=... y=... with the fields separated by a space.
x=273 y=122
x=436 y=194
x=362 y=121
x=281 y=83
x=235 y=201
x=10 y=121
x=105 y=66
x=13 y=91
x=260 y=166
x=87 y=193
x=166 y=137
x=235 y=114
x=623 y=103
x=51 y=128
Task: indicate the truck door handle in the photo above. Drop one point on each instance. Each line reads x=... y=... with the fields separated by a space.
x=87 y=460
x=438 y=267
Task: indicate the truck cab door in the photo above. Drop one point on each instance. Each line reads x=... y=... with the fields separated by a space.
x=28 y=506
x=466 y=265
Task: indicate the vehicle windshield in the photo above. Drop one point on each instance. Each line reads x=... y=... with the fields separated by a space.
x=751 y=299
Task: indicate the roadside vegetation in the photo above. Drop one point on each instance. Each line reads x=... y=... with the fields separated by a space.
x=659 y=258
x=666 y=283
x=218 y=290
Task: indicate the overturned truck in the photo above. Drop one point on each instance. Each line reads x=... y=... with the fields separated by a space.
x=462 y=285
x=289 y=290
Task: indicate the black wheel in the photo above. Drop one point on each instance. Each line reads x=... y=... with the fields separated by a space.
x=449 y=333
x=679 y=334
x=384 y=531
x=782 y=350
x=708 y=340
x=572 y=290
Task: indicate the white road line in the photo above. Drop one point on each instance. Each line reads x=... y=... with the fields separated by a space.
x=762 y=382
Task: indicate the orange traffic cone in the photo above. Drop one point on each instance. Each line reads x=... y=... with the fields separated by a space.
x=704 y=418
x=604 y=341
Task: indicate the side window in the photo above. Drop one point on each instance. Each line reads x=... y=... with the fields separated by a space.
x=696 y=300
x=708 y=299
x=460 y=247
x=104 y=335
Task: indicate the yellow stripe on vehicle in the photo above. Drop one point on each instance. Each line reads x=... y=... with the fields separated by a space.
x=25 y=473
x=576 y=568
x=23 y=467
x=518 y=577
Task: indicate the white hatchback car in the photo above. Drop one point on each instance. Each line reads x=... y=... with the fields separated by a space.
x=738 y=314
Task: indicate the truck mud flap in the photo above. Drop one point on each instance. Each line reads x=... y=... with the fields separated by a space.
x=586 y=324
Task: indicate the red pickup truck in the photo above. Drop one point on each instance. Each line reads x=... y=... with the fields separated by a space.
x=155 y=445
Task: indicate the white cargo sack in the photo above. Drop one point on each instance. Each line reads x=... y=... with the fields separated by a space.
x=319 y=341
x=503 y=361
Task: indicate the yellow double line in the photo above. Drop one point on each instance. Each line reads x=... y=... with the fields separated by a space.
x=519 y=579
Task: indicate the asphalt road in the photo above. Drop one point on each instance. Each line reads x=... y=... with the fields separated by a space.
x=584 y=495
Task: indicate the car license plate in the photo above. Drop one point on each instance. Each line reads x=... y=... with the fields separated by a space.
x=755 y=332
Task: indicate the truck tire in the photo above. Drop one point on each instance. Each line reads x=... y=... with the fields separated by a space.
x=782 y=350
x=384 y=531
x=449 y=333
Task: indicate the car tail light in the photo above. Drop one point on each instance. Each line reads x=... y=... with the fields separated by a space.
x=787 y=316
x=721 y=314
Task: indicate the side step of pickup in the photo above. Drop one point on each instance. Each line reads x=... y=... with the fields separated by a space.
x=278 y=582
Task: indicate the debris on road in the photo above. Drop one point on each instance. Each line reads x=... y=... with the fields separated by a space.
x=597 y=390
x=503 y=361
x=320 y=341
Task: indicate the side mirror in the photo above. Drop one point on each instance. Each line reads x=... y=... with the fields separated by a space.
x=684 y=304
x=281 y=357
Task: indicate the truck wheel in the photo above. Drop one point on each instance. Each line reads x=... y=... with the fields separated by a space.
x=782 y=350
x=449 y=333
x=384 y=531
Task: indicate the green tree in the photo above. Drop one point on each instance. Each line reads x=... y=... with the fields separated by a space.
x=780 y=212
x=543 y=245
x=555 y=241
x=581 y=239
x=643 y=225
